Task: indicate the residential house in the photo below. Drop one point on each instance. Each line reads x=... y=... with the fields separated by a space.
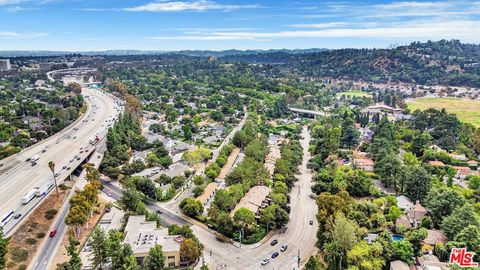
x=416 y=214
x=371 y=237
x=143 y=235
x=139 y=156
x=458 y=157
x=403 y=221
x=208 y=193
x=472 y=163
x=404 y=203
x=399 y=265
x=436 y=163
x=433 y=237
x=431 y=262
x=365 y=164
x=462 y=171
x=255 y=199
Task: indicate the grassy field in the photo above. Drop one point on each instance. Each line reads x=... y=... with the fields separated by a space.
x=354 y=93
x=467 y=110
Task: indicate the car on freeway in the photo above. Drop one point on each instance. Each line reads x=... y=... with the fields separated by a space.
x=68 y=168
x=34 y=163
x=72 y=160
x=28 y=159
x=64 y=167
x=265 y=261
x=159 y=211
x=74 y=137
x=17 y=216
x=284 y=247
x=44 y=150
x=53 y=233
x=78 y=158
x=274 y=242
x=275 y=254
x=81 y=151
x=311 y=222
x=57 y=174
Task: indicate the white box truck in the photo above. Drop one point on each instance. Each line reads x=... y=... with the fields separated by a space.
x=29 y=196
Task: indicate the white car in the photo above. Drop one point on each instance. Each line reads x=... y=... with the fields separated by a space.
x=265 y=261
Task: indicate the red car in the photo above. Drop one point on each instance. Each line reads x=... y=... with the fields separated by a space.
x=53 y=232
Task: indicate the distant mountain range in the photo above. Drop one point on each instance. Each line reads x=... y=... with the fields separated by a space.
x=200 y=53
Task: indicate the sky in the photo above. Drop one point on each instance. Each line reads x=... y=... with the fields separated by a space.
x=169 y=25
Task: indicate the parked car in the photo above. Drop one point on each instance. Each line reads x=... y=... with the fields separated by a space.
x=53 y=233
x=265 y=261
x=274 y=242
x=275 y=254
x=64 y=167
x=159 y=211
x=284 y=247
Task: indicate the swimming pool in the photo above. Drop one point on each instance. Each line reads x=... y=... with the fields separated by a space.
x=397 y=237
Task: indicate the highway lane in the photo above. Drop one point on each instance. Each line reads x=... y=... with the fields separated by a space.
x=18 y=176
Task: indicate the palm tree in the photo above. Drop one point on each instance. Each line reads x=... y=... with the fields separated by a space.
x=51 y=165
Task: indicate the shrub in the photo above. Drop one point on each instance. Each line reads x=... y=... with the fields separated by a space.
x=40 y=235
x=19 y=254
x=22 y=267
x=49 y=214
x=31 y=241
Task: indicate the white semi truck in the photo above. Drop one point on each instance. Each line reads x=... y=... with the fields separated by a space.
x=44 y=188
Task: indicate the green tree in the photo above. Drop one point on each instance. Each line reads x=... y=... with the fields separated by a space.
x=416 y=238
x=460 y=219
x=403 y=250
x=244 y=218
x=442 y=202
x=191 y=207
x=190 y=251
x=3 y=249
x=131 y=263
x=417 y=183
x=349 y=134
x=155 y=259
x=99 y=244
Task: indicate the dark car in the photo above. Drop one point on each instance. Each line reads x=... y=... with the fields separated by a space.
x=275 y=254
x=274 y=242
x=159 y=211
x=53 y=232
x=284 y=247
x=311 y=222
x=64 y=167
x=17 y=216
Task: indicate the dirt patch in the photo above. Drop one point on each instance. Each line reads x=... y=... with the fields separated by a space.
x=26 y=241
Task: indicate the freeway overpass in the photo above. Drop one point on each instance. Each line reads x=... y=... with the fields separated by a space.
x=67 y=149
x=308 y=112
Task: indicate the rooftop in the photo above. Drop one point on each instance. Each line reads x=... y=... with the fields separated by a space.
x=143 y=235
x=253 y=199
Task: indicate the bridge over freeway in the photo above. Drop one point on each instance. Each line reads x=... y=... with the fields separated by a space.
x=308 y=112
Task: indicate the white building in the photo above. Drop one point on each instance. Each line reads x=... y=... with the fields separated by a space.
x=5 y=64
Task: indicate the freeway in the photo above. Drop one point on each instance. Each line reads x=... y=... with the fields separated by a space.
x=67 y=149
x=300 y=235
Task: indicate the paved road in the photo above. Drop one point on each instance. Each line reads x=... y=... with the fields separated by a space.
x=300 y=235
x=18 y=177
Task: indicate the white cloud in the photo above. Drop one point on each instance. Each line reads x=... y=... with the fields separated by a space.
x=12 y=35
x=326 y=25
x=9 y=2
x=175 y=6
x=466 y=30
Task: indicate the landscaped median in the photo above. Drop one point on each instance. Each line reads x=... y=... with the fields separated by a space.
x=27 y=239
